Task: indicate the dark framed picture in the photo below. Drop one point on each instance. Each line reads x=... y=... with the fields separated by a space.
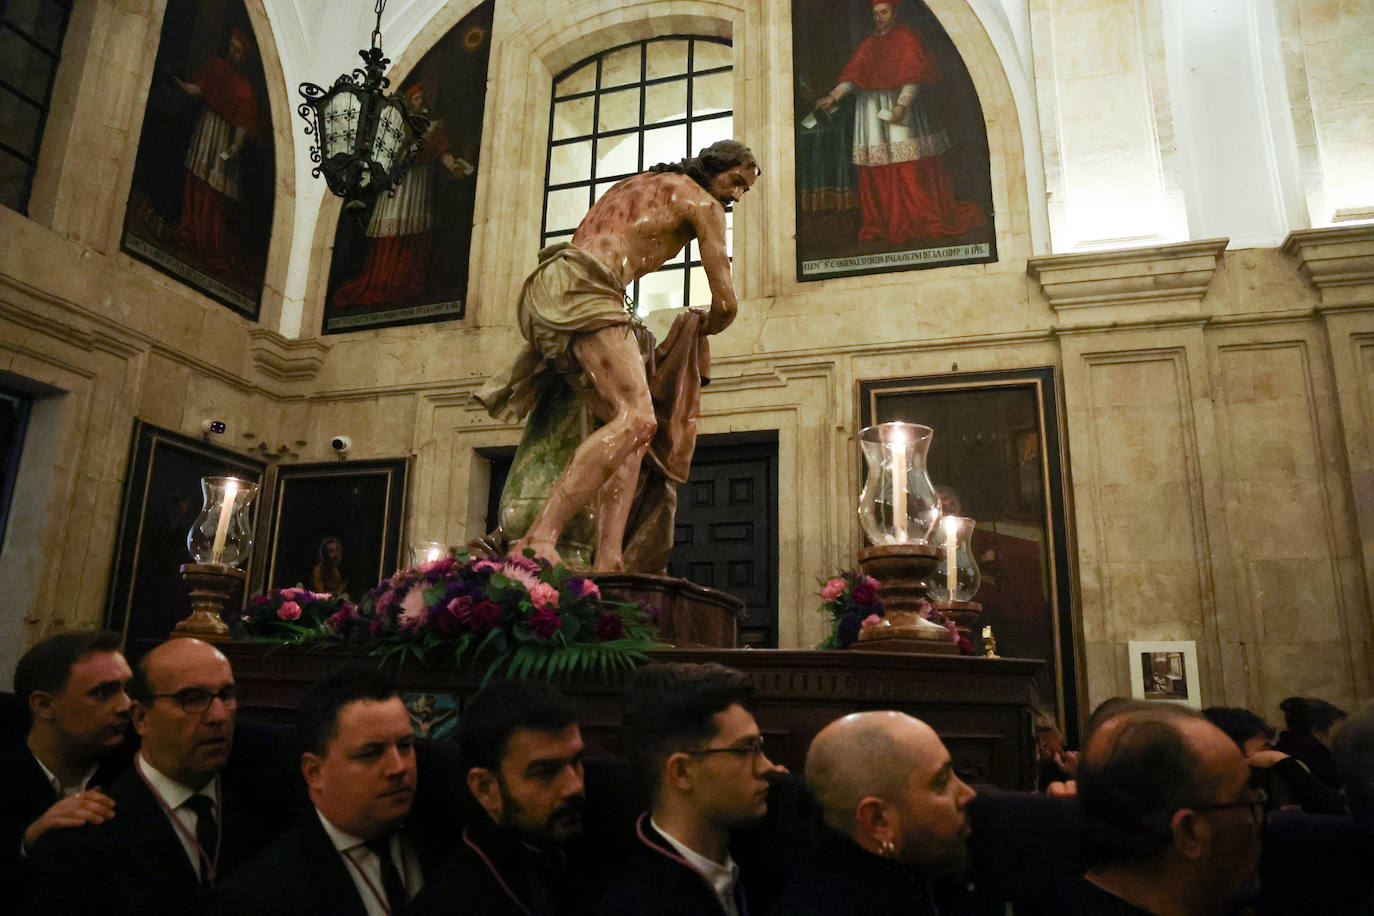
x=404 y=258
x=997 y=457
x=200 y=206
x=892 y=157
x=162 y=497
x=1165 y=670
x=335 y=527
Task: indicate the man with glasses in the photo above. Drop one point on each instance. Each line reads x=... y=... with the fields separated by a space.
x=178 y=829
x=687 y=728
x=1172 y=823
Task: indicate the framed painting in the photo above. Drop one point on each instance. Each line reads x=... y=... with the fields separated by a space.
x=200 y=206
x=998 y=457
x=892 y=157
x=162 y=497
x=404 y=258
x=1165 y=671
x=335 y=527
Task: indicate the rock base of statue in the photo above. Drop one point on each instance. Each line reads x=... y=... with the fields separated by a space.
x=691 y=616
x=210 y=588
x=901 y=571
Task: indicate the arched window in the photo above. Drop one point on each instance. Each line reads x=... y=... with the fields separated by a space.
x=621 y=111
x=31 y=35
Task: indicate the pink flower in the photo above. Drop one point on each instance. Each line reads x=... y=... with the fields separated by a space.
x=289 y=610
x=833 y=589
x=413 y=610
x=484 y=564
x=544 y=596
x=345 y=615
x=385 y=600
x=589 y=589
x=871 y=582
x=479 y=617
x=872 y=620
x=545 y=622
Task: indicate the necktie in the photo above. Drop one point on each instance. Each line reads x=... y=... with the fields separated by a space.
x=207 y=831
x=392 y=885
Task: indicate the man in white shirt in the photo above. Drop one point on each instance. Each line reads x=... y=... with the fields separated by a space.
x=351 y=855
x=73 y=687
x=688 y=729
x=177 y=831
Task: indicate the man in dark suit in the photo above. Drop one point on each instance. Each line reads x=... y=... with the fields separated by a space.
x=72 y=686
x=522 y=750
x=351 y=855
x=178 y=828
x=689 y=731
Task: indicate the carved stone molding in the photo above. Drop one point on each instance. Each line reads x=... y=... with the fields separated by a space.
x=1177 y=274
x=1334 y=257
x=286 y=358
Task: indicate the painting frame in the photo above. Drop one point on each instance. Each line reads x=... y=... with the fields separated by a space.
x=156 y=512
x=866 y=208
x=1179 y=653
x=885 y=399
x=305 y=510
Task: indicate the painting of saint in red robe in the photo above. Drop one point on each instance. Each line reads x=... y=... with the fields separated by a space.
x=200 y=207
x=404 y=258
x=892 y=156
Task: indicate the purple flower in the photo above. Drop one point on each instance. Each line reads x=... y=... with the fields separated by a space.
x=848 y=630
x=545 y=622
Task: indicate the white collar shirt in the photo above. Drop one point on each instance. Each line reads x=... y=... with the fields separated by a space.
x=61 y=791
x=722 y=878
x=174 y=796
x=366 y=869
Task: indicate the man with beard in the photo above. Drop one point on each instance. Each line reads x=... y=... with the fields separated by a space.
x=178 y=828
x=892 y=815
x=522 y=748
x=1172 y=825
x=73 y=687
x=577 y=327
x=351 y=855
x=687 y=729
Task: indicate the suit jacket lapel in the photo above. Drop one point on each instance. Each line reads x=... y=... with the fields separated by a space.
x=336 y=893
x=149 y=830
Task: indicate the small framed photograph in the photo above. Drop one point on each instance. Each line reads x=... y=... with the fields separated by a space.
x=335 y=527
x=1165 y=671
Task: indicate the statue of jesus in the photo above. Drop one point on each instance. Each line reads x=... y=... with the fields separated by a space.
x=576 y=323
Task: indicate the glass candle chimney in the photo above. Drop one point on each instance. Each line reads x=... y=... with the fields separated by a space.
x=222 y=535
x=956 y=577
x=898 y=504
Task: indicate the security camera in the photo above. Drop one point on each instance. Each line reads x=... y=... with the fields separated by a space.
x=341 y=444
x=212 y=427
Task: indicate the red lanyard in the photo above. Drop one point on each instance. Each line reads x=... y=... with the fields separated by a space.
x=210 y=865
x=378 y=895
x=496 y=874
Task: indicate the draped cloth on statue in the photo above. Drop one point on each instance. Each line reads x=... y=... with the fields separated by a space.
x=230 y=106
x=401 y=227
x=572 y=293
x=905 y=191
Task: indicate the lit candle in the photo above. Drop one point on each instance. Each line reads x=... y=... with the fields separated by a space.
x=433 y=553
x=226 y=509
x=899 y=469
x=951 y=555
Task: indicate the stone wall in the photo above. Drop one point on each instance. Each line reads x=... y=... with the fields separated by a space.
x=1218 y=402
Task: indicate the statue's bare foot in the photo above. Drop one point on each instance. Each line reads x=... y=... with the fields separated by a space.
x=541 y=549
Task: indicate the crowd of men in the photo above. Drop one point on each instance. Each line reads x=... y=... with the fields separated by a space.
x=1163 y=815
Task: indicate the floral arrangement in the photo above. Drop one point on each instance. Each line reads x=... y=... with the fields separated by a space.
x=520 y=614
x=293 y=615
x=851 y=600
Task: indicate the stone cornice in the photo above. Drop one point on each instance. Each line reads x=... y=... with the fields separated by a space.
x=1333 y=257
x=284 y=357
x=1176 y=274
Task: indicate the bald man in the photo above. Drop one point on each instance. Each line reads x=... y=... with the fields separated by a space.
x=178 y=830
x=893 y=814
x=1171 y=822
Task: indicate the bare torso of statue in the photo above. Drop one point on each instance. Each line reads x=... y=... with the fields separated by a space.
x=632 y=230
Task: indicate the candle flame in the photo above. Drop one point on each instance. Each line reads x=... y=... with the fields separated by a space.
x=950 y=524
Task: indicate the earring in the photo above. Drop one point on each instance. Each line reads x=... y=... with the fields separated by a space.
x=887 y=849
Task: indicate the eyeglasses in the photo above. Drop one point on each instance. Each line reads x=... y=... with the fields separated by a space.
x=198 y=699
x=751 y=749
x=1258 y=803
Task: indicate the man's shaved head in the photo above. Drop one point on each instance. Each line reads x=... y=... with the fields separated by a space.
x=885 y=780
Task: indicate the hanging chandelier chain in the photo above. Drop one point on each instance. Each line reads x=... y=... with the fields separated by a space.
x=377 y=31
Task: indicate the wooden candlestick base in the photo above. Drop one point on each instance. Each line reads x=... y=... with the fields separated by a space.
x=901 y=570
x=210 y=589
